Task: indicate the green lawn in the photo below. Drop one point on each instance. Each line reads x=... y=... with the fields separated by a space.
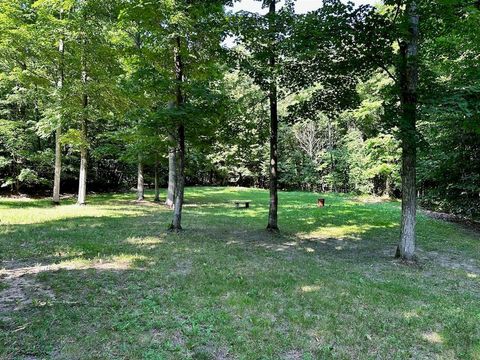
x=108 y=281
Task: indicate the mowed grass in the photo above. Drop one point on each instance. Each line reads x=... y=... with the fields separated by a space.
x=108 y=281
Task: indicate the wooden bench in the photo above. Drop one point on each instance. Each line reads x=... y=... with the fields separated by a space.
x=245 y=203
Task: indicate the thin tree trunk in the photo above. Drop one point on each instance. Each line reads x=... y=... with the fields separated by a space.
x=273 y=210
x=180 y=171
x=180 y=182
x=157 y=183
x=140 y=181
x=332 y=159
x=172 y=174
x=82 y=183
x=408 y=85
x=58 y=165
x=58 y=131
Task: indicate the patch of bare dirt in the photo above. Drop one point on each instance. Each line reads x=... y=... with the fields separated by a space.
x=452 y=261
x=178 y=339
x=22 y=290
x=183 y=268
x=293 y=355
x=471 y=224
x=372 y=199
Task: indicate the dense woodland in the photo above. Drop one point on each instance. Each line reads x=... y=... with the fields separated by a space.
x=100 y=96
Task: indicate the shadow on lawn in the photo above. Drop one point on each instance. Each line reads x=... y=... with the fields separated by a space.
x=20 y=203
x=343 y=225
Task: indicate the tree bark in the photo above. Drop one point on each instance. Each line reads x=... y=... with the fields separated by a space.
x=180 y=163
x=172 y=174
x=58 y=131
x=157 y=183
x=180 y=180
x=332 y=159
x=140 y=181
x=58 y=165
x=273 y=210
x=82 y=183
x=408 y=86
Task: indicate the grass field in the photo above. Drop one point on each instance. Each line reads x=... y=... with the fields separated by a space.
x=108 y=281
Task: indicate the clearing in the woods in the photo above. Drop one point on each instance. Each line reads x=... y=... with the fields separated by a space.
x=108 y=281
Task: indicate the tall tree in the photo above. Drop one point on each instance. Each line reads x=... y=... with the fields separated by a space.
x=82 y=180
x=182 y=45
x=408 y=75
x=58 y=130
x=97 y=70
x=419 y=95
x=180 y=137
x=196 y=50
x=260 y=39
x=273 y=209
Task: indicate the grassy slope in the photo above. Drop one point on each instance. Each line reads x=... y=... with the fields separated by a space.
x=326 y=287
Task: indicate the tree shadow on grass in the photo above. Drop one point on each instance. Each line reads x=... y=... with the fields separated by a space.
x=346 y=225
x=342 y=225
x=13 y=203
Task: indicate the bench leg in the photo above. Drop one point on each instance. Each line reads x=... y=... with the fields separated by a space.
x=247 y=205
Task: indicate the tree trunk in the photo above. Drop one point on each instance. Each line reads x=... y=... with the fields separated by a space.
x=82 y=183
x=58 y=132
x=408 y=85
x=180 y=170
x=157 y=184
x=58 y=165
x=17 y=186
x=140 y=181
x=172 y=174
x=180 y=182
x=332 y=159
x=273 y=210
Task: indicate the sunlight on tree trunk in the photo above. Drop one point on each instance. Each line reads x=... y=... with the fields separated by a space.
x=82 y=182
x=58 y=165
x=140 y=181
x=172 y=168
x=58 y=131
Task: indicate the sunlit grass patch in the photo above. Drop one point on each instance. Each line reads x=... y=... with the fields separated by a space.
x=433 y=337
x=310 y=288
x=119 y=262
